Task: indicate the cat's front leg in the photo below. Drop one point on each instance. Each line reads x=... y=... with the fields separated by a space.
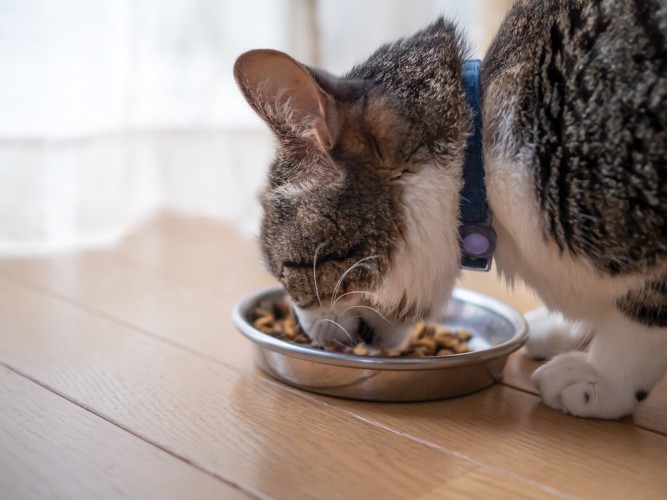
x=551 y=334
x=624 y=362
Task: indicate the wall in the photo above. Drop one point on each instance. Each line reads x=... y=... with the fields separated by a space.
x=113 y=109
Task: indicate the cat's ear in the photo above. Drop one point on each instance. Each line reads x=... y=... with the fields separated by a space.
x=287 y=96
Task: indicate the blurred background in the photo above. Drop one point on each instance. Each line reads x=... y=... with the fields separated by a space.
x=112 y=111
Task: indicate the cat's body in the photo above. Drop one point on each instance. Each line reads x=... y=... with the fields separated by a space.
x=575 y=154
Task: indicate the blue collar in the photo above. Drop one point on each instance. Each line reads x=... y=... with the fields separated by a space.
x=478 y=239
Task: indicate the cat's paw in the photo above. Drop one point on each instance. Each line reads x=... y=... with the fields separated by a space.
x=550 y=334
x=569 y=383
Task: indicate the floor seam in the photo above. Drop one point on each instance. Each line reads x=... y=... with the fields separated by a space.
x=121 y=322
x=118 y=425
x=429 y=444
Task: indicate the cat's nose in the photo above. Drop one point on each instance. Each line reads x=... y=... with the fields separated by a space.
x=330 y=329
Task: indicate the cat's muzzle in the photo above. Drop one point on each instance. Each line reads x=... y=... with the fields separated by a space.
x=348 y=324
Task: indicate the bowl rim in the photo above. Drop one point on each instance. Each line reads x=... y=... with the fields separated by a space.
x=496 y=306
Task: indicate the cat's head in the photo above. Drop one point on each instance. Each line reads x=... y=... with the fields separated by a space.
x=360 y=215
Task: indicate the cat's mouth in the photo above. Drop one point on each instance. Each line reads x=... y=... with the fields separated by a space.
x=366 y=332
x=356 y=324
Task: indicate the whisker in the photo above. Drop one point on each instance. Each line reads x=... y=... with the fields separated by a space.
x=350 y=338
x=347 y=271
x=366 y=307
x=350 y=293
x=317 y=342
x=353 y=266
x=317 y=250
x=350 y=318
x=341 y=344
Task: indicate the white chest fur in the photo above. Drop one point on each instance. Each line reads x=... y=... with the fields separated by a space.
x=425 y=265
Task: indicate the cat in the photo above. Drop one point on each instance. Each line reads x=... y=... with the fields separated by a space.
x=361 y=211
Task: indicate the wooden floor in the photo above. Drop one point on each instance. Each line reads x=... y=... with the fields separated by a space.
x=121 y=376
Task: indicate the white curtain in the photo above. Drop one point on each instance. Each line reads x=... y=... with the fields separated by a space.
x=113 y=109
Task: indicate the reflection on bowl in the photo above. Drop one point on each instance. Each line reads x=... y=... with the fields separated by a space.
x=497 y=331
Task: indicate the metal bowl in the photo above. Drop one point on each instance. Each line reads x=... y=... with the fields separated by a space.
x=497 y=329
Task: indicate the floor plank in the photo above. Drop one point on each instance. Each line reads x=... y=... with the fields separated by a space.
x=186 y=315
x=198 y=252
x=233 y=424
x=179 y=279
x=651 y=414
x=52 y=448
x=148 y=340
x=513 y=431
x=483 y=484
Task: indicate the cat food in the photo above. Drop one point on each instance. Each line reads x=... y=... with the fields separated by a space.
x=426 y=339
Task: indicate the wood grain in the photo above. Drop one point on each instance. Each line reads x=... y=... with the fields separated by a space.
x=651 y=414
x=198 y=252
x=509 y=430
x=52 y=448
x=140 y=335
x=179 y=278
x=231 y=424
x=483 y=484
x=182 y=314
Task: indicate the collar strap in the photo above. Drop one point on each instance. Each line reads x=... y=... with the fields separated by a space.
x=478 y=239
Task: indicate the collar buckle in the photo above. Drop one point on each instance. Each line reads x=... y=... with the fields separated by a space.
x=478 y=242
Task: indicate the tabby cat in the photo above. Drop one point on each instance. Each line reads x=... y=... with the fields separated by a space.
x=361 y=211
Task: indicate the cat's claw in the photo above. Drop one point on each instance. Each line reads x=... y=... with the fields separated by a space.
x=569 y=383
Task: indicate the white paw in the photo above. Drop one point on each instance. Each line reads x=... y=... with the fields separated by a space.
x=569 y=383
x=550 y=334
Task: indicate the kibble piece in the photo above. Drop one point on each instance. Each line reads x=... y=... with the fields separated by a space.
x=361 y=350
x=275 y=318
x=260 y=312
x=415 y=353
x=463 y=334
x=464 y=347
x=264 y=321
x=428 y=343
x=290 y=327
x=448 y=342
x=419 y=331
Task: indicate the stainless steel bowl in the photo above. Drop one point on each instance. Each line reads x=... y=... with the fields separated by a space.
x=497 y=329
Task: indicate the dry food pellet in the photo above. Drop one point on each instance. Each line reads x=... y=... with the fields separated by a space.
x=426 y=339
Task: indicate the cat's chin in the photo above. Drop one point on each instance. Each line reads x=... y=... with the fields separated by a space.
x=351 y=325
x=388 y=335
